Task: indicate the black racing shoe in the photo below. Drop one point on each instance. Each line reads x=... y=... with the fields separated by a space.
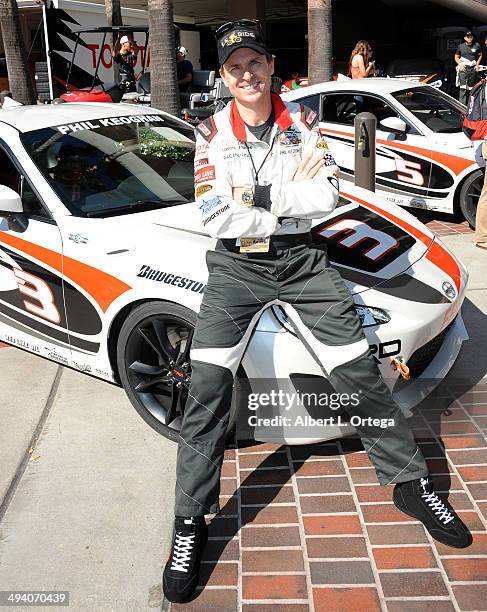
x=417 y=498
x=180 y=577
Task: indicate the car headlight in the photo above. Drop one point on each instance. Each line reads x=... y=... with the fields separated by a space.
x=372 y=316
x=438 y=83
x=368 y=316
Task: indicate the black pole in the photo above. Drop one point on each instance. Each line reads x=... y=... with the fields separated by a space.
x=72 y=62
x=98 y=64
x=146 y=51
x=365 y=125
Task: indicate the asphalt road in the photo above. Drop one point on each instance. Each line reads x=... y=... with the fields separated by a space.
x=89 y=510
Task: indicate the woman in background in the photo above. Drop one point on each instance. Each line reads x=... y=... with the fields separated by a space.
x=360 y=66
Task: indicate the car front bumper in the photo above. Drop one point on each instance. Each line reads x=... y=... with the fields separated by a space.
x=291 y=357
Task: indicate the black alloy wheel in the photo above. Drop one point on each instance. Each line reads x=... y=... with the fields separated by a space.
x=154 y=364
x=470 y=194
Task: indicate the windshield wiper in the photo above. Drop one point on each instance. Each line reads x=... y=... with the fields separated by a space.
x=138 y=205
x=449 y=130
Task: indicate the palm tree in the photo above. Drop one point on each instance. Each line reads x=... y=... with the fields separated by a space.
x=320 y=65
x=114 y=18
x=164 y=84
x=19 y=79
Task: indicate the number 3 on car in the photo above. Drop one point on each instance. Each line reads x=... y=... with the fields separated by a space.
x=36 y=289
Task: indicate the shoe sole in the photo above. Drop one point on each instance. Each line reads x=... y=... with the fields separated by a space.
x=402 y=509
x=187 y=595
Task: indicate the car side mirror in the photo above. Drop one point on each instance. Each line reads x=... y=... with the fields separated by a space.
x=12 y=209
x=10 y=201
x=393 y=124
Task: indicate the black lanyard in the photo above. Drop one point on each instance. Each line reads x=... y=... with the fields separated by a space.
x=256 y=172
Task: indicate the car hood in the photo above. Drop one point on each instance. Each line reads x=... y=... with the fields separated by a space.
x=374 y=244
x=369 y=241
x=455 y=142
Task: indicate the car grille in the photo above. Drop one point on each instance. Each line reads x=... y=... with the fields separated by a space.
x=422 y=357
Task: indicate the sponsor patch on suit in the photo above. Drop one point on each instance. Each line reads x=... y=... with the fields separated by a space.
x=289 y=137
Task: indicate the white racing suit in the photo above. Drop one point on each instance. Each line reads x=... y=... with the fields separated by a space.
x=222 y=163
x=293 y=274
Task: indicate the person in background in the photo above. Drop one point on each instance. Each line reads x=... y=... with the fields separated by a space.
x=467 y=58
x=360 y=65
x=125 y=55
x=185 y=70
x=5 y=98
x=475 y=128
x=483 y=48
x=481 y=217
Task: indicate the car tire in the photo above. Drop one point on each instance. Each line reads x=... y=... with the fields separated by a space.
x=40 y=66
x=469 y=196
x=42 y=88
x=151 y=335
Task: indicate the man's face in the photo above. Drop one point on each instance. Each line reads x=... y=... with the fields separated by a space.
x=468 y=39
x=180 y=56
x=247 y=74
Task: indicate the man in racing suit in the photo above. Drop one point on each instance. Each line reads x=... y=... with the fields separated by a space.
x=262 y=173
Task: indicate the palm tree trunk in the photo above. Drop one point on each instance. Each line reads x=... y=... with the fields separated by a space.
x=164 y=83
x=320 y=63
x=114 y=18
x=19 y=79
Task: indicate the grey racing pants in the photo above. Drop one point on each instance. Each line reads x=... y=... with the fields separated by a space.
x=320 y=306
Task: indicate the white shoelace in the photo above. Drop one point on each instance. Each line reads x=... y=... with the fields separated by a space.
x=436 y=504
x=183 y=546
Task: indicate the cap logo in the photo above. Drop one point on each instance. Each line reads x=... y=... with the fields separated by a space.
x=231 y=40
x=236 y=37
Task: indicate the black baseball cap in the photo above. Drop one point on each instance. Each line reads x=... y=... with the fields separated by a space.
x=469 y=33
x=235 y=35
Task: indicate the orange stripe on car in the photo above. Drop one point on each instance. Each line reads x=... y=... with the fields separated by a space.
x=436 y=253
x=453 y=162
x=103 y=287
x=430 y=77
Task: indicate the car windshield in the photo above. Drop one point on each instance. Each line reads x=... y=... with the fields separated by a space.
x=436 y=110
x=414 y=66
x=116 y=165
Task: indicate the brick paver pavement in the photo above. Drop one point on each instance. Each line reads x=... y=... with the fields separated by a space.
x=308 y=528
x=442 y=224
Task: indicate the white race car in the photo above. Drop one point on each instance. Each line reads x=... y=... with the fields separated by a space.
x=424 y=160
x=102 y=264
